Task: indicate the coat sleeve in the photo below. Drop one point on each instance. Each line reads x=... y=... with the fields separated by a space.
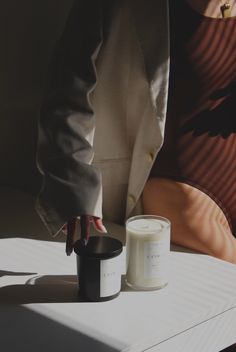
x=71 y=186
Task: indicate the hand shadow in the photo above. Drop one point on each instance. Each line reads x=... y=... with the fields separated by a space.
x=42 y=289
x=13 y=273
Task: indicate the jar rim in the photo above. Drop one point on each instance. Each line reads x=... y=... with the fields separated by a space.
x=165 y=223
x=100 y=247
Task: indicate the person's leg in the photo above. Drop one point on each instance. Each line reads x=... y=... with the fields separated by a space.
x=197 y=221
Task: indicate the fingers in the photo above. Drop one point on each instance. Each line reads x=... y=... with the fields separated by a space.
x=85 y=227
x=98 y=224
x=72 y=227
x=85 y=221
x=71 y=235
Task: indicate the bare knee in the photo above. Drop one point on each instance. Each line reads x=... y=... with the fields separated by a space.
x=196 y=220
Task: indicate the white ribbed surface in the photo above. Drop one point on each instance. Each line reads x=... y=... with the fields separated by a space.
x=200 y=288
x=210 y=336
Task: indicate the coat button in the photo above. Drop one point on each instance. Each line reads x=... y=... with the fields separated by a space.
x=131 y=199
x=150 y=157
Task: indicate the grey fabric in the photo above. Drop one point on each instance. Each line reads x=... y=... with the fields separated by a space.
x=67 y=120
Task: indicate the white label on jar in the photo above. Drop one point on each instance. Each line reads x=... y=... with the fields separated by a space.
x=110 y=276
x=155 y=259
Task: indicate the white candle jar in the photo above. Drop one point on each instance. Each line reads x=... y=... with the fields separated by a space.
x=147 y=252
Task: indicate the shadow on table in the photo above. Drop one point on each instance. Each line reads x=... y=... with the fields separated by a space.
x=13 y=273
x=45 y=289
x=42 y=289
x=23 y=329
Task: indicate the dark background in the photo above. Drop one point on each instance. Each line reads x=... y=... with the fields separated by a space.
x=29 y=30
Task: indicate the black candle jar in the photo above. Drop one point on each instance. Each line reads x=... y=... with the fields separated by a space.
x=99 y=268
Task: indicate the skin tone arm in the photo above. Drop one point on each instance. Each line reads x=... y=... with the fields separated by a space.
x=197 y=222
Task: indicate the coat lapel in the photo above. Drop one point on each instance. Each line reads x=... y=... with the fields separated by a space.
x=151 y=20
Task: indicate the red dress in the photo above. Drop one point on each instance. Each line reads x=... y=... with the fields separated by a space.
x=200 y=138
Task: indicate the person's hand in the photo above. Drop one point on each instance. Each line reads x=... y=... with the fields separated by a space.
x=72 y=228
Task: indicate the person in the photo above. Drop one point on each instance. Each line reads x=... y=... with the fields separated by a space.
x=158 y=80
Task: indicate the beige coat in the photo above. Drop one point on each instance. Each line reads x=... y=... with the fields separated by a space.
x=129 y=101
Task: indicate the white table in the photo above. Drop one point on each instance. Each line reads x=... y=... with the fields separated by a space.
x=39 y=309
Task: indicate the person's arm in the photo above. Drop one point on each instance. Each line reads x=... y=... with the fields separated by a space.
x=71 y=185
